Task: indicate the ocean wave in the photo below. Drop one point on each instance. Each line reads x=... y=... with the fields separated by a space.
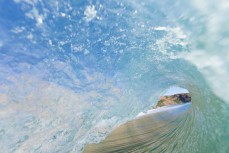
x=71 y=72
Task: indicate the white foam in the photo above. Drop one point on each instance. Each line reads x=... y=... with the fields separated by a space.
x=42 y=110
x=161 y=109
x=90 y=13
x=62 y=14
x=30 y=37
x=160 y=28
x=173 y=36
x=214 y=67
x=33 y=13
x=50 y=42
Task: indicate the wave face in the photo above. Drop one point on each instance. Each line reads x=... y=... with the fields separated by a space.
x=72 y=71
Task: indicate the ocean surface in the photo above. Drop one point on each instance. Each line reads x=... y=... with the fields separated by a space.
x=73 y=71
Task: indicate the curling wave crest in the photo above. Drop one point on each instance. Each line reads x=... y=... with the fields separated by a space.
x=72 y=71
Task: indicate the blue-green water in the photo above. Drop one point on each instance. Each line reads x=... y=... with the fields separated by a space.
x=72 y=71
x=154 y=132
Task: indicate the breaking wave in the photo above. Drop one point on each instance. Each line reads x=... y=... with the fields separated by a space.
x=70 y=72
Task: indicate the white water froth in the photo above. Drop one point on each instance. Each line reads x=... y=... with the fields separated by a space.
x=214 y=68
x=161 y=109
x=33 y=13
x=43 y=116
x=90 y=13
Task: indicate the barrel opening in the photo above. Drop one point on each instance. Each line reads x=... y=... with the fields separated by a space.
x=173 y=96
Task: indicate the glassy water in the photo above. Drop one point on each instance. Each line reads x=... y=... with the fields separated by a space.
x=153 y=132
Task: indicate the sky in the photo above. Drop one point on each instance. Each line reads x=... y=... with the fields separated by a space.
x=175 y=90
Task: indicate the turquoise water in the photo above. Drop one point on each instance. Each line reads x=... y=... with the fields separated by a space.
x=72 y=71
x=153 y=132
